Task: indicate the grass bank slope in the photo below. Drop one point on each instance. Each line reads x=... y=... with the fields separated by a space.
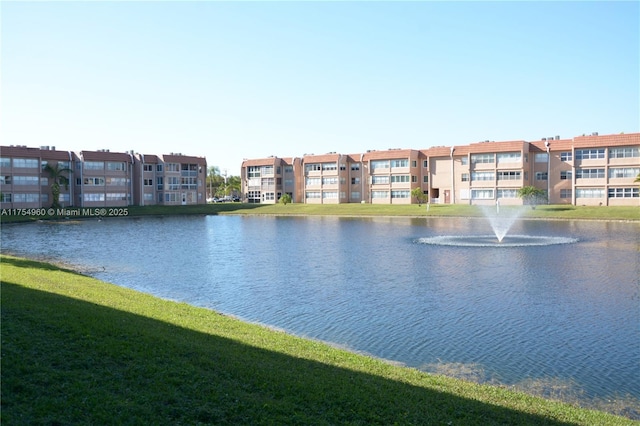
x=79 y=351
x=411 y=210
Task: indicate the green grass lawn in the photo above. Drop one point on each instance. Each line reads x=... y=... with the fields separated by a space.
x=79 y=351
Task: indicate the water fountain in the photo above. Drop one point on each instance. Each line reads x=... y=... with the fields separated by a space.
x=501 y=221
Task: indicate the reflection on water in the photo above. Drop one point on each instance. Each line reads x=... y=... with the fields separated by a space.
x=561 y=317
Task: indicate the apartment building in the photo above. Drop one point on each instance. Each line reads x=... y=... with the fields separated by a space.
x=585 y=170
x=99 y=178
x=266 y=180
x=23 y=181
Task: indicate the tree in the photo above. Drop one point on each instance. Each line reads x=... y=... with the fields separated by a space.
x=420 y=195
x=57 y=179
x=532 y=195
x=637 y=178
x=285 y=199
x=234 y=184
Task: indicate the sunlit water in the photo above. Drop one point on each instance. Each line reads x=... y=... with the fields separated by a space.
x=515 y=315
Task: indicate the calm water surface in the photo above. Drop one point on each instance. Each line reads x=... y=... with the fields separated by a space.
x=562 y=315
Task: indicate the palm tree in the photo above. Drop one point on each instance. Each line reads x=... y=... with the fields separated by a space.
x=531 y=195
x=57 y=178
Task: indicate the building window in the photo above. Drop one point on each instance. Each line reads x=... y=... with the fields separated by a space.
x=172 y=167
x=565 y=175
x=312 y=168
x=173 y=183
x=541 y=157
x=425 y=178
x=589 y=173
x=93 y=165
x=355 y=180
x=343 y=167
x=266 y=170
x=509 y=157
x=482 y=158
x=566 y=156
x=624 y=192
x=425 y=164
x=590 y=193
x=483 y=176
x=311 y=181
x=269 y=196
x=148 y=182
x=355 y=195
x=160 y=183
x=379 y=194
x=482 y=194
x=5 y=162
x=379 y=180
x=330 y=194
x=624 y=152
x=26 y=198
x=93 y=197
x=147 y=167
x=399 y=163
x=355 y=167
x=313 y=194
x=541 y=176
x=159 y=170
x=5 y=197
x=509 y=175
x=116 y=167
x=5 y=180
x=589 y=154
x=26 y=180
x=288 y=169
x=116 y=196
x=414 y=163
x=329 y=166
x=330 y=181
x=148 y=196
x=624 y=172
x=94 y=182
x=565 y=193
x=464 y=161
x=44 y=181
x=26 y=163
x=465 y=177
x=507 y=193
x=400 y=194
x=114 y=181
x=414 y=179
x=379 y=164
x=253 y=172
x=400 y=178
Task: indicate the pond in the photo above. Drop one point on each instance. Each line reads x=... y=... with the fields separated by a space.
x=562 y=320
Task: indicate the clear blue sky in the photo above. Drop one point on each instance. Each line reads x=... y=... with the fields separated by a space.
x=234 y=80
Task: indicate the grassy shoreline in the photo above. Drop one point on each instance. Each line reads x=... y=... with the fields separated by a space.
x=546 y=212
x=77 y=350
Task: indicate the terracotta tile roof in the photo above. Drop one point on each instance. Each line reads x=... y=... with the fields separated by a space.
x=19 y=151
x=270 y=161
x=179 y=158
x=104 y=156
x=391 y=154
x=323 y=158
x=622 y=139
